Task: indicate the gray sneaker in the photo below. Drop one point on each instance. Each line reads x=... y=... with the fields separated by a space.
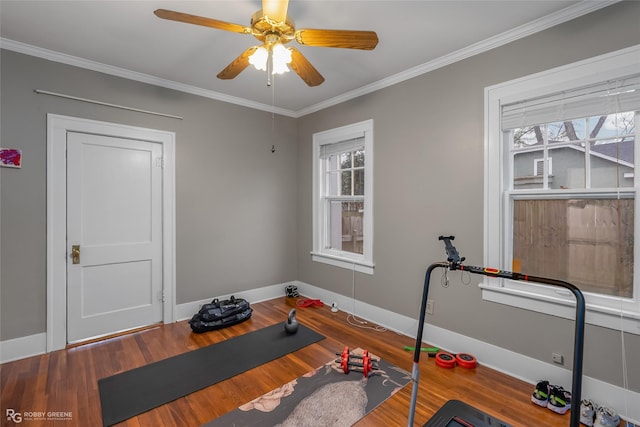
x=587 y=412
x=606 y=417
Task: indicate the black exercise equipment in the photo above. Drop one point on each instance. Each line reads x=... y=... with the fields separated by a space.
x=291 y=324
x=455 y=413
x=220 y=314
x=353 y=362
x=454 y=262
x=291 y=291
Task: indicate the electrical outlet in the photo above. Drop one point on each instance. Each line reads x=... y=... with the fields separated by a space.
x=429 y=306
x=557 y=358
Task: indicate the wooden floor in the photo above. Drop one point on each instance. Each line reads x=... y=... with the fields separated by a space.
x=66 y=380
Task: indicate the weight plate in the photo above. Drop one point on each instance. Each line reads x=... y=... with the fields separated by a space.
x=445 y=360
x=466 y=361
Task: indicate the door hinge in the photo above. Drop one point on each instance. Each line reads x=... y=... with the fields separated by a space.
x=160 y=162
x=161 y=296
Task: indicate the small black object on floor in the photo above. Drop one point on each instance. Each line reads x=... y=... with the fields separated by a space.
x=291 y=324
x=455 y=413
x=133 y=392
x=220 y=314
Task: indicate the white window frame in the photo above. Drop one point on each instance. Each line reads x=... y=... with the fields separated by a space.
x=611 y=312
x=320 y=252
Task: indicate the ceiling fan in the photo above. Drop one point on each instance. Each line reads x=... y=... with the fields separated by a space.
x=273 y=28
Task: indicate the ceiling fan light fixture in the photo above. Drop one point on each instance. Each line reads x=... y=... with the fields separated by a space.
x=259 y=58
x=280 y=55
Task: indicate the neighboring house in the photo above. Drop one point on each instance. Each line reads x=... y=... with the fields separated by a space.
x=611 y=165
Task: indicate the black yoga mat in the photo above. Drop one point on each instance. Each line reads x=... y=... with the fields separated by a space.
x=133 y=392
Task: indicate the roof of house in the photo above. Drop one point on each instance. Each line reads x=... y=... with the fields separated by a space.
x=622 y=151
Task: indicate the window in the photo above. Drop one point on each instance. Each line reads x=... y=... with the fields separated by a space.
x=585 y=234
x=343 y=196
x=538 y=167
x=574 y=222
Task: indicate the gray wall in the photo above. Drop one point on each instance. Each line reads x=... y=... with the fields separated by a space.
x=235 y=200
x=244 y=214
x=428 y=179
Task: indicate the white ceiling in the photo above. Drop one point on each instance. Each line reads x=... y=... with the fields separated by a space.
x=125 y=38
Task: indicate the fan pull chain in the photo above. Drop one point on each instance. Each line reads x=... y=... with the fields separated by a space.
x=273 y=115
x=269 y=66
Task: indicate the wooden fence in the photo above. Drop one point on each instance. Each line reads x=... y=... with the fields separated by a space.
x=586 y=242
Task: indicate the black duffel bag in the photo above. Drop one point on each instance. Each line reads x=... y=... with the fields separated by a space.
x=220 y=314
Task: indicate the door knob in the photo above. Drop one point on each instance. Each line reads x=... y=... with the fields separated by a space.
x=75 y=254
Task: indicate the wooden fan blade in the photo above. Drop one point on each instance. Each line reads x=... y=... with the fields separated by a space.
x=275 y=9
x=199 y=20
x=304 y=69
x=347 y=39
x=237 y=65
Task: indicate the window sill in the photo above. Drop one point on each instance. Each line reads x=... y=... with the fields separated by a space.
x=562 y=307
x=362 y=266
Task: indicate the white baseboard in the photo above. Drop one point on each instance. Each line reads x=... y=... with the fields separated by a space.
x=19 y=348
x=514 y=364
x=187 y=310
x=33 y=345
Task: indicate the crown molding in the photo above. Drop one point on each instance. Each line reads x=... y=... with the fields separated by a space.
x=133 y=75
x=564 y=15
x=571 y=12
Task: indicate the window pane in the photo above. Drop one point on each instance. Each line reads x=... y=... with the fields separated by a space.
x=358 y=182
x=332 y=162
x=525 y=168
x=334 y=183
x=346 y=232
x=566 y=131
x=611 y=125
x=346 y=183
x=568 y=166
x=526 y=137
x=358 y=158
x=612 y=163
x=586 y=242
x=345 y=160
x=555 y=132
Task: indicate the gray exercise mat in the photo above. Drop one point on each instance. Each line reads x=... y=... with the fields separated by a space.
x=133 y=392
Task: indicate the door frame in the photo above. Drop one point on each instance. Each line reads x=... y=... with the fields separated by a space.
x=57 y=128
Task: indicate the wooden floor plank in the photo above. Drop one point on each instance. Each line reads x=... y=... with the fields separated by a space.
x=66 y=380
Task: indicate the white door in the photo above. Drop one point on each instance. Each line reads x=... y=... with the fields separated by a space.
x=114 y=235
